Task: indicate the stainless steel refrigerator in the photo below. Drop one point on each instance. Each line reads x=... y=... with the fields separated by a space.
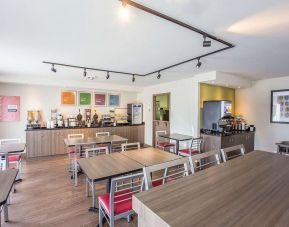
x=213 y=111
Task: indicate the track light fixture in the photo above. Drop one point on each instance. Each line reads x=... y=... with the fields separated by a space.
x=206 y=43
x=107 y=75
x=159 y=75
x=133 y=78
x=53 y=69
x=199 y=63
x=84 y=73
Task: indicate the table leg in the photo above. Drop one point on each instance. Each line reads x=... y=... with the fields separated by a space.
x=5 y=206
x=108 y=183
x=93 y=208
x=177 y=147
x=75 y=166
x=110 y=147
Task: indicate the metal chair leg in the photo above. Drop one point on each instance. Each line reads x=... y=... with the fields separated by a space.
x=6 y=212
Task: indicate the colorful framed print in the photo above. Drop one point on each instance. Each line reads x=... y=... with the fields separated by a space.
x=68 y=98
x=99 y=99
x=84 y=98
x=9 y=108
x=280 y=106
x=113 y=99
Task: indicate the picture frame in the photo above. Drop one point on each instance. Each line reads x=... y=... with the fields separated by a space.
x=100 y=99
x=68 y=98
x=84 y=98
x=9 y=108
x=279 y=106
x=114 y=100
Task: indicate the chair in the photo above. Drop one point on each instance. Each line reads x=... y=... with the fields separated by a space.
x=233 y=152
x=130 y=146
x=163 y=143
x=98 y=134
x=14 y=159
x=171 y=170
x=195 y=148
x=71 y=150
x=118 y=203
x=90 y=152
x=204 y=160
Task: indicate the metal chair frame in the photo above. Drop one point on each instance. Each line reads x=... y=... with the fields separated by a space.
x=158 y=133
x=227 y=150
x=199 y=158
x=195 y=146
x=130 y=146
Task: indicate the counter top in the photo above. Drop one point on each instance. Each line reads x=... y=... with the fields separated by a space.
x=226 y=134
x=60 y=128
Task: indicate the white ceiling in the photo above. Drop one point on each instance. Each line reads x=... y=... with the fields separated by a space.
x=92 y=33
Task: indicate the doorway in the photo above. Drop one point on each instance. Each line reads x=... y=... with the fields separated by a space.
x=161 y=114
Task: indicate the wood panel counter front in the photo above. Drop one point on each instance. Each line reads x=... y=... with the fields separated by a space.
x=46 y=142
x=251 y=190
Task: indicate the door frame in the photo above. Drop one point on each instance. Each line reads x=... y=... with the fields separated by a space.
x=153 y=113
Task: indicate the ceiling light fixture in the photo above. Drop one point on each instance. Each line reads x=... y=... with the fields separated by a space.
x=133 y=78
x=159 y=75
x=53 y=69
x=199 y=64
x=206 y=43
x=84 y=73
x=107 y=75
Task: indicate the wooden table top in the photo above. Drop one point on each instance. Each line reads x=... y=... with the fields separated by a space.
x=93 y=140
x=150 y=156
x=176 y=136
x=7 y=178
x=107 y=166
x=252 y=190
x=12 y=148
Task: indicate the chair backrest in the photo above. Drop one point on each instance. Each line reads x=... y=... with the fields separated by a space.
x=130 y=146
x=196 y=144
x=122 y=189
x=101 y=134
x=204 y=160
x=9 y=141
x=171 y=170
x=232 y=152
x=158 y=138
x=90 y=152
x=75 y=136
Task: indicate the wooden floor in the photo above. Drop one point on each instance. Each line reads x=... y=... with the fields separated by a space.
x=47 y=197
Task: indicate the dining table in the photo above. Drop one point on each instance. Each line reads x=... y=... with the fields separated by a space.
x=108 y=166
x=7 y=179
x=11 y=148
x=90 y=141
x=251 y=190
x=176 y=137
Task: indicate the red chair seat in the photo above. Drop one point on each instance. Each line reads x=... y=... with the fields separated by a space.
x=165 y=144
x=71 y=150
x=157 y=183
x=189 y=151
x=119 y=208
x=14 y=158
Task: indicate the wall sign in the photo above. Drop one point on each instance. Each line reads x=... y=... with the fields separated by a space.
x=99 y=99
x=84 y=98
x=68 y=98
x=280 y=106
x=9 y=108
x=114 y=100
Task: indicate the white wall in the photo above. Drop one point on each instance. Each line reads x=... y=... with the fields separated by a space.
x=184 y=106
x=44 y=98
x=254 y=104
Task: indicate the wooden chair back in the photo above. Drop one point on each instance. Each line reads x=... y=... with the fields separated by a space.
x=171 y=170
x=204 y=160
x=232 y=152
x=130 y=146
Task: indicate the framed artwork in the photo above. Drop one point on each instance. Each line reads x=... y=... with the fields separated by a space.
x=280 y=106
x=68 y=98
x=9 y=108
x=113 y=99
x=99 y=99
x=84 y=98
